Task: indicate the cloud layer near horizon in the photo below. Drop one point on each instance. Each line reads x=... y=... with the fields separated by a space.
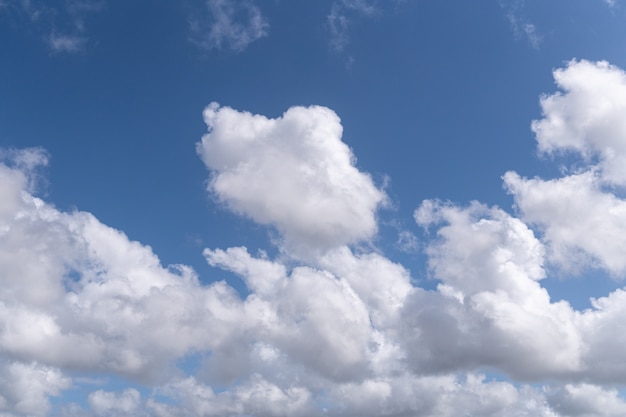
x=336 y=331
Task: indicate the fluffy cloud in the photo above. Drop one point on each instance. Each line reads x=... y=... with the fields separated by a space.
x=587 y=117
x=490 y=309
x=586 y=400
x=583 y=224
x=108 y=403
x=293 y=172
x=582 y=214
x=25 y=388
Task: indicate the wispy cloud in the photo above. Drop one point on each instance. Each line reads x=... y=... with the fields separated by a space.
x=230 y=25
x=66 y=43
x=341 y=14
x=62 y=27
x=521 y=27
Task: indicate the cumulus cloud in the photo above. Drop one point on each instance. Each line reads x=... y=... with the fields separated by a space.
x=108 y=403
x=304 y=339
x=25 y=388
x=585 y=400
x=229 y=25
x=586 y=117
x=583 y=224
x=490 y=309
x=582 y=214
x=339 y=332
x=293 y=173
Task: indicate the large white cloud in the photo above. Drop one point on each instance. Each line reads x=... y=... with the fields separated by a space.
x=293 y=172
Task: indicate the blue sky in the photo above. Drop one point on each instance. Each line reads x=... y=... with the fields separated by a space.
x=345 y=207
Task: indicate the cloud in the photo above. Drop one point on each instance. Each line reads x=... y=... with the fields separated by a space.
x=25 y=388
x=586 y=117
x=586 y=400
x=230 y=25
x=520 y=26
x=107 y=403
x=490 y=310
x=340 y=17
x=584 y=225
x=293 y=172
x=62 y=27
x=340 y=331
x=582 y=215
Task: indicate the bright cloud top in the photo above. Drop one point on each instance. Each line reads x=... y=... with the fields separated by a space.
x=293 y=172
x=340 y=333
x=583 y=218
x=587 y=117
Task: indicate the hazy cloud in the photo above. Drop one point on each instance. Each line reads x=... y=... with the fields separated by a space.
x=521 y=27
x=61 y=26
x=229 y=25
x=341 y=14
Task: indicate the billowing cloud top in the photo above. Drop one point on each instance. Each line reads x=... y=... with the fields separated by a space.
x=587 y=117
x=293 y=172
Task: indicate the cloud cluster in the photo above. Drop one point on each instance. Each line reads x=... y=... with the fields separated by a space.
x=325 y=329
x=583 y=214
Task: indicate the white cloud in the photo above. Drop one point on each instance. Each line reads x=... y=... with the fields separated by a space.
x=109 y=403
x=581 y=214
x=583 y=225
x=586 y=400
x=338 y=332
x=25 y=388
x=292 y=172
x=490 y=309
x=231 y=25
x=587 y=117
x=255 y=396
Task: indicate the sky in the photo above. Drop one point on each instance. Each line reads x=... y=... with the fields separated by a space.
x=344 y=208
